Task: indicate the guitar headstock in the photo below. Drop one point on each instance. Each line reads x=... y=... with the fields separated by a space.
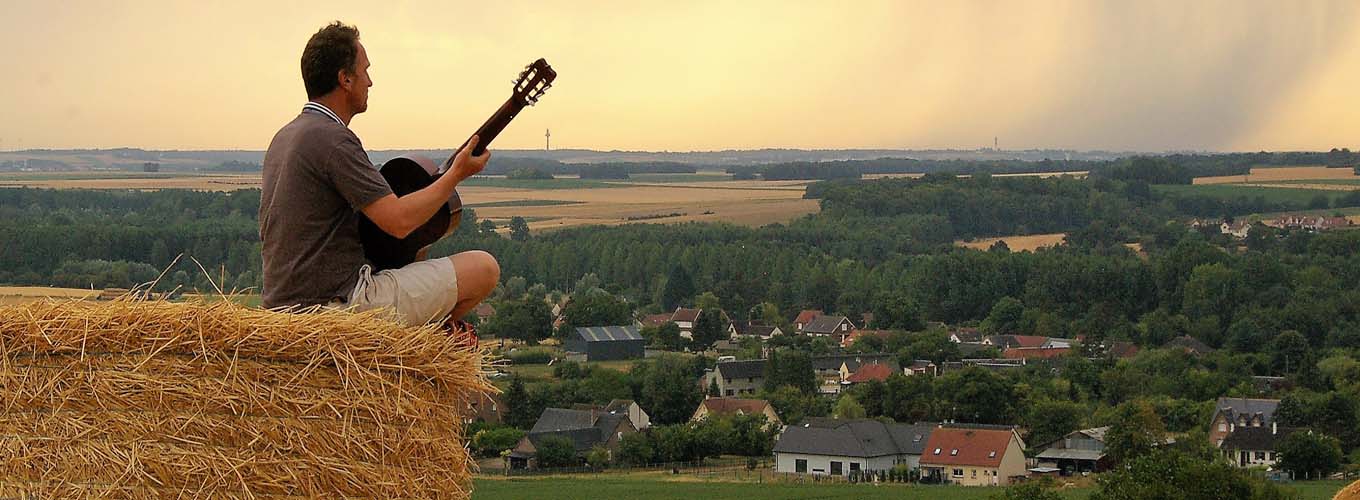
x=536 y=78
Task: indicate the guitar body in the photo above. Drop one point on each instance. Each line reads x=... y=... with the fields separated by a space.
x=406 y=175
x=411 y=173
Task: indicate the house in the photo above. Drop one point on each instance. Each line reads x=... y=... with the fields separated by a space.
x=627 y=407
x=858 y=334
x=738 y=406
x=1035 y=352
x=921 y=367
x=654 y=320
x=1238 y=229
x=754 y=330
x=685 y=318
x=1059 y=343
x=1122 y=349
x=973 y=457
x=585 y=428
x=840 y=447
x=482 y=407
x=837 y=327
x=1007 y=341
x=1235 y=414
x=484 y=311
x=961 y=335
x=873 y=371
x=737 y=378
x=1076 y=453
x=1254 y=446
x=804 y=317
x=831 y=371
x=602 y=343
x=1188 y=344
x=1309 y=223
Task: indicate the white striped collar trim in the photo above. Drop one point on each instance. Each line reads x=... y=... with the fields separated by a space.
x=316 y=106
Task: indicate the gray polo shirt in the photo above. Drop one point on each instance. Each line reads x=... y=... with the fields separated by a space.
x=317 y=178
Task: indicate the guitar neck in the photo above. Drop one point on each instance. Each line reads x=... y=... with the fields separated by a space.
x=489 y=130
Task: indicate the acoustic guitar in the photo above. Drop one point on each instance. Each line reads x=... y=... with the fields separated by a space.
x=410 y=173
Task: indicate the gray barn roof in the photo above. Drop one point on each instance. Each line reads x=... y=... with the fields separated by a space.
x=751 y=368
x=608 y=333
x=854 y=438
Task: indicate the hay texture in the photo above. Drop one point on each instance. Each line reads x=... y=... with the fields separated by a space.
x=151 y=399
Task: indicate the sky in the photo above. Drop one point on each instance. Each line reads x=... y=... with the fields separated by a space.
x=1145 y=75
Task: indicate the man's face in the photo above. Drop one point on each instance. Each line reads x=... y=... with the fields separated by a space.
x=359 y=82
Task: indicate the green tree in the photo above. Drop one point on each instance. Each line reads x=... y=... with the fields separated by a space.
x=598 y=457
x=668 y=389
x=519 y=229
x=708 y=329
x=636 y=449
x=707 y=300
x=897 y=312
x=848 y=408
x=979 y=395
x=491 y=442
x=517 y=410
x=1028 y=490
x=790 y=368
x=1170 y=474
x=1136 y=431
x=528 y=319
x=792 y=404
x=713 y=389
x=679 y=287
x=1004 y=318
x=596 y=309
x=556 y=451
x=1288 y=351
x=1050 y=419
x=1309 y=455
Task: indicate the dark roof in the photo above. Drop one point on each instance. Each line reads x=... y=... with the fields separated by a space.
x=742 y=369
x=608 y=333
x=826 y=324
x=582 y=439
x=748 y=328
x=1189 y=344
x=1255 y=438
x=968 y=349
x=853 y=438
x=967 y=334
x=559 y=419
x=1253 y=409
x=1004 y=341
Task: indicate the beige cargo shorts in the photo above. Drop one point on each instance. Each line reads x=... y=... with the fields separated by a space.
x=419 y=293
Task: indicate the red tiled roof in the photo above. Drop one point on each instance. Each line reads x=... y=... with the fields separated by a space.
x=1123 y=349
x=976 y=447
x=682 y=314
x=1035 y=352
x=807 y=315
x=656 y=319
x=855 y=334
x=484 y=310
x=872 y=371
x=1030 y=340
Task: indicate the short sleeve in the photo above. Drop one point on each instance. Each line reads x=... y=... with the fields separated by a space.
x=354 y=176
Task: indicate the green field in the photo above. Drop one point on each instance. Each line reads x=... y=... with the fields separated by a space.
x=691 y=489
x=1338 y=182
x=1296 y=196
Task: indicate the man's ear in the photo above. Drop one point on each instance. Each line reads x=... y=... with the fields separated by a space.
x=344 y=79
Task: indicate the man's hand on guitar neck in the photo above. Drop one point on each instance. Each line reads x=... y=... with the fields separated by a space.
x=465 y=165
x=400 y=217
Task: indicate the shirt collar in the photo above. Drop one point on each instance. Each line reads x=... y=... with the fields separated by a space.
x=321 y=108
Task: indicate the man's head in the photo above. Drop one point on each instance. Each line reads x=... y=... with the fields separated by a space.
x=334 y=62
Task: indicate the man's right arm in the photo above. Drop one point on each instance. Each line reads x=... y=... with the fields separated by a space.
x=400 y=216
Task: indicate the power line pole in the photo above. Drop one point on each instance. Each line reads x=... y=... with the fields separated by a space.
x=547 y=139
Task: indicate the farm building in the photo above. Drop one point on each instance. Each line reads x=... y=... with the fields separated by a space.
x=604 y=343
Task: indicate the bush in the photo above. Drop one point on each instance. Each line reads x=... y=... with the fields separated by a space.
x=492 y=441
x=531 y=356
x=556 y=451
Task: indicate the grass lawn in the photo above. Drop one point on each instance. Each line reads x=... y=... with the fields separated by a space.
x=1339 y=182
x=1297 y=196
x=690 y=488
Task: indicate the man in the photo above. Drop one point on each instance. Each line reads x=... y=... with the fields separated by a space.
x=317 y=179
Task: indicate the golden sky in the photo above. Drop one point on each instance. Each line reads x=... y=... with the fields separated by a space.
x=684 y=76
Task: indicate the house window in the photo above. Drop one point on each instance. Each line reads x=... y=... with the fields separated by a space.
x=835 y=468
x=991 y=454
x=1260 y=455
x=937 y=451
x=800 y=466
x=974 y=472
x=730 y=392
x=954 y=452
x=854 y=466
x=958 y=472
x=1222 y=427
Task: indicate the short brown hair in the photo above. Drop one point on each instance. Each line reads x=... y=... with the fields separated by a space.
x=333 y=48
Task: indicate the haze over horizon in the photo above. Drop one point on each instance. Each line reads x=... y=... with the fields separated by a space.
x=708 y=76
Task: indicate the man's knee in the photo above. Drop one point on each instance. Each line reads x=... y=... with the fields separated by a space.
x=478 y=270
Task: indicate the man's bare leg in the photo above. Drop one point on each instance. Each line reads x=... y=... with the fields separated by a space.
x=478 y=272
